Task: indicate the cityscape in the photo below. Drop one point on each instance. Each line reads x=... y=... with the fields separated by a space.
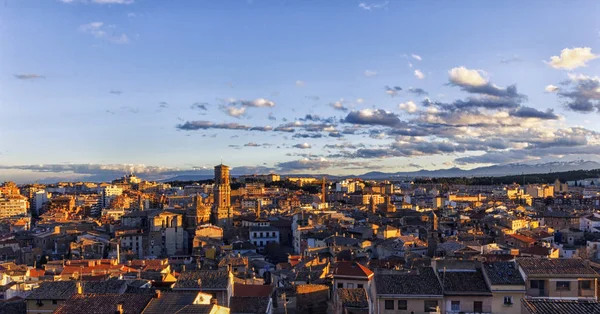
x=282 y=157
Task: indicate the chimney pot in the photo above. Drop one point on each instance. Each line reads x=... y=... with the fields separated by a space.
x=79 y=288
x=157 y=294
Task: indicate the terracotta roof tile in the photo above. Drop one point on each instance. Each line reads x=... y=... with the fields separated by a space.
x=549 y=306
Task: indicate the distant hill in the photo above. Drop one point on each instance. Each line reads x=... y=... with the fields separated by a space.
x=490 y=171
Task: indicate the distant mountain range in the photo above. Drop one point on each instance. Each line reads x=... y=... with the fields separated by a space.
x=489 y=171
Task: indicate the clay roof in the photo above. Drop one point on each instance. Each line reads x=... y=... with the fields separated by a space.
x=242 y=290
x=355 y=298
x=170 y=302
x=549 y=306
x=503 y=273
x=103 y=303
x=352 y=269
x=239 y=305
x=420 y=282
x=556 y=267
x=209 y=280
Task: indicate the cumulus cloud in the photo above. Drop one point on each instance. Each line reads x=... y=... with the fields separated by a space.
x=372 y=117
x=462 y=76
x=417 y=57
x=408 y=106
x=370 y=73
x=573 y=58
x=582 y=93
x=419 y=74
x=528 y=112
x=251 y=144
x=236 y=112
x=338 y=105
x=418 y=91
x=551 y=88
x=258 y=103
x=99 y=30
x=392 y=91
x=29 y=76
x=473 y=82
x=302 y=146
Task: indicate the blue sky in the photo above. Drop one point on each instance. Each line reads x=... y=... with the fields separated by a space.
x=91 y=85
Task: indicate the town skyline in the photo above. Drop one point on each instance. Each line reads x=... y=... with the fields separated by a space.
x=342 y=88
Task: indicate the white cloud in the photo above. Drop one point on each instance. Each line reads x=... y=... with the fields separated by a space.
x=464 y=76
x=259 y=103
x=369 y=7
x=408 y=106
x=551 y=88
x=417 y=57
x=410 y=65
x=419 y=74
x=97 y=29
x=369 y=73
x=360 y=100
x=572 y=58
x=235 y=112
x=300 y=83
x=303 y=146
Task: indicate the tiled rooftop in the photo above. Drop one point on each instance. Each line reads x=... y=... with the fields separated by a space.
x=463 y=282
x=355 y=298
x=547 y=306
x=421 y=282
x=209 y=280
x=249 y=304
x=503 y=273
x=556 y=266
x=104 y=303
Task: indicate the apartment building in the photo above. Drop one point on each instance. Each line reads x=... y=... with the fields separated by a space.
x=558 y=278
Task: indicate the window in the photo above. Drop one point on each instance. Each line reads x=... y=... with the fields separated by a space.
x=54 y=302
x=477 y=306
x=585 y=284
x=402 y=304
x=389 y=304
x=455 y=306
x=431 y=306
x=360 y=285
x=536 y=284
x=563 y=285
x=508 y=301
x=340 y=285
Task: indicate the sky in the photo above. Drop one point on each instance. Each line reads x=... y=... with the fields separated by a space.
x=92 y=87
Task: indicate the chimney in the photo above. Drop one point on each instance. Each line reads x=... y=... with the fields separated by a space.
x=157 y=294
x=214 y=301
x=79 y=287
x=119 y=308
x=183 y=268
x=199 y=283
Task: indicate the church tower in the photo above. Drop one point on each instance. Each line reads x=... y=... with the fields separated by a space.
x=222 y=196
